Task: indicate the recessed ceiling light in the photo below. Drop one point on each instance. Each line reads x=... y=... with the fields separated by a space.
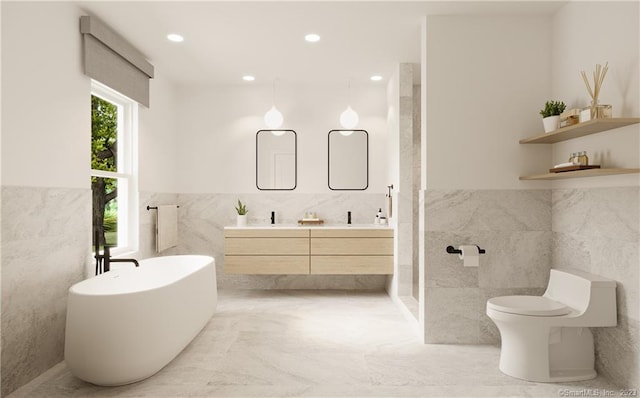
x=376 y=78
x=174 y=37
x=248 y=78
x=312 y=38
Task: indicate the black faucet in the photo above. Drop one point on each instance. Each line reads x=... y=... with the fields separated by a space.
x=273 y=217
x=103 y=261
x=108 y=260
x=349 y=217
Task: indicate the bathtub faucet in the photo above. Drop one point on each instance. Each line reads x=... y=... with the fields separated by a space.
x=108 y=259
x=105 y=260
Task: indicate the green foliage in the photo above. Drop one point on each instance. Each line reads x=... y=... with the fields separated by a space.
x=241 y=209
x=553 y=108
x=104 y=135
x=111 y=219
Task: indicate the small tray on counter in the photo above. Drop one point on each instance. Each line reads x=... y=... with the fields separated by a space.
x=310 y=221
x=573 y=168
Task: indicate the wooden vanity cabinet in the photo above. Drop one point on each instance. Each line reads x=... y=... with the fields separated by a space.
x=320 y=251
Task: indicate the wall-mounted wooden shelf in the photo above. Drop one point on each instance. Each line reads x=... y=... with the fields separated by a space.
x=580 y=174
x=581 y=129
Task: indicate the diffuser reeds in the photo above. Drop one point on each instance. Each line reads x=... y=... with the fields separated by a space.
x=598 y=78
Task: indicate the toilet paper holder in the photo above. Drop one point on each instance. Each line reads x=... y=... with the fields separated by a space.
x=453 y=250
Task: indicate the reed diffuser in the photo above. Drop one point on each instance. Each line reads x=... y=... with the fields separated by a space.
x=597 y=111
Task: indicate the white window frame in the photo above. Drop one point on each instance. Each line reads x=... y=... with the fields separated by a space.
x=127 y=167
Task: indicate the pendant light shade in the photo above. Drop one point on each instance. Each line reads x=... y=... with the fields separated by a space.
x=349 y=118
x=273 y=118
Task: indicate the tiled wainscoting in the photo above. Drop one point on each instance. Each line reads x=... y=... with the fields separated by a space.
x=45 y=239
x=597 y=230
x=513 y=226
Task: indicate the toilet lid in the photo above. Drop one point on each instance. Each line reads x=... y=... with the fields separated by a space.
x=528 y=305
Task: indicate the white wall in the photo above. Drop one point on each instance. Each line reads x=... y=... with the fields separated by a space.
x=595 y=220
x=393 y=126
x=46 y=208
x=218 y=125
x=45 y=113
x=586 y=34
x=46 y=123
x=46 y=205
x=486 y=80
x=158 y=138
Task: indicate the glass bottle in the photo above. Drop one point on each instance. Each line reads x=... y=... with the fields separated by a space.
x=583 y=159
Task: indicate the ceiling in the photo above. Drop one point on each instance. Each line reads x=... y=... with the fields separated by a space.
x=226 y=40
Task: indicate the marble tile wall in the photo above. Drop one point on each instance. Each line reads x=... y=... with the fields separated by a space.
x=417 y=169
x=597 y=230
x=45 y=238
x=404 y=219
x=513 y=226
x=202 y=218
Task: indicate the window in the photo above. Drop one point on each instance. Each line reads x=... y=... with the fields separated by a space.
x=114 y=121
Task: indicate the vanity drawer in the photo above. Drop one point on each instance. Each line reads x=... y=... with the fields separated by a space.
x=352 y=233
x=266 y=246
x=352 y=246
x=343 y=265
x=266 y=265
x=266 y=233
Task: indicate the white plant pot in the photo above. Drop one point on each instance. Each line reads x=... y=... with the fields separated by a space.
x=241 y=220
x=551 y=123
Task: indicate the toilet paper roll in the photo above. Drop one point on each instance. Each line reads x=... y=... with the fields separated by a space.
x=470 y=255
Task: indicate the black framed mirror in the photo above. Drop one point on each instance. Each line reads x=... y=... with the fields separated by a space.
x=348 y=160
x=276 y=160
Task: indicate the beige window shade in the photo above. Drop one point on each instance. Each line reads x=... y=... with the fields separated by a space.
x=111 y=60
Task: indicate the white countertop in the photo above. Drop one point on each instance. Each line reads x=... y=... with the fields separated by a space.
x=324 y=226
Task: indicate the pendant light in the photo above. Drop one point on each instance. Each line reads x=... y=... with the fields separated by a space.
x=349 y=118
x=273 y=118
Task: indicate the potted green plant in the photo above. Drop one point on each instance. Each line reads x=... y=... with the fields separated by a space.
x=241 y=218
x=551 y=115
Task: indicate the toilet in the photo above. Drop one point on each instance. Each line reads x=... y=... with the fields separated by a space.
x=547 y=338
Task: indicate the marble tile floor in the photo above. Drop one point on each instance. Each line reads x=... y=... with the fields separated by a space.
x=283 y=343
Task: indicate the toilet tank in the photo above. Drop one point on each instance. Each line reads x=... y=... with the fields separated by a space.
x=593 y=296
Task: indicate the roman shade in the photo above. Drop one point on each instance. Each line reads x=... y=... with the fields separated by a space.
x=111 y=60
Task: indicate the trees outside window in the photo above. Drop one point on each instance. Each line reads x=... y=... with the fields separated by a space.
x=104 y=155
x=113 y=120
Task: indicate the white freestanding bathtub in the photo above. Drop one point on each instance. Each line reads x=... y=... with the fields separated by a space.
x=125 y=325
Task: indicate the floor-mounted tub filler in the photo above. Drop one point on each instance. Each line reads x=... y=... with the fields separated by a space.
x=125 y=325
